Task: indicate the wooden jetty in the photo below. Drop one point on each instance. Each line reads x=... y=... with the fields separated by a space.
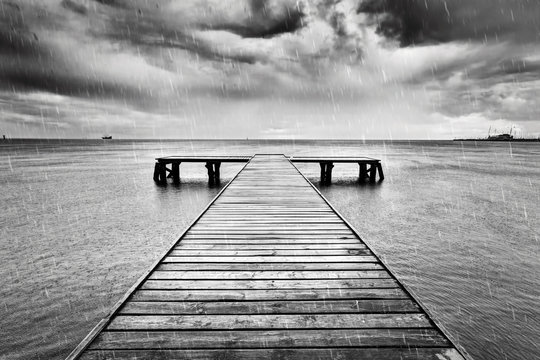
x=269 y=270
x=368 y=167
x=212 y=163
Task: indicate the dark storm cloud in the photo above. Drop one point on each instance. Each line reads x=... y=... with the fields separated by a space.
x=266 y=21
x=149 y=28
x=32 y=78
x=521 y=66
x=76 y=7
x=15 y=43
x=421 y=21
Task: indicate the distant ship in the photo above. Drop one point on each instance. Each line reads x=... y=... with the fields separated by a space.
x=106 y=137
x=502 y=137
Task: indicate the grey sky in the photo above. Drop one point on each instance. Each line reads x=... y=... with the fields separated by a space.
x=269 y=68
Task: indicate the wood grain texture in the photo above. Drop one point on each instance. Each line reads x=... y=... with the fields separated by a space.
x=270 y=271
x=412 y=353
x=319 y=338
x=270 y=307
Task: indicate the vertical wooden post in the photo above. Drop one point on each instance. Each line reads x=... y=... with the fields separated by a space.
x=160 y=173
x=211 y=176
x=329 y=167
x=363 y=172
x=323 y=172
x=217 y=165
x=381 y=174
x=176 y=172
x=156 y=172
x=372 y=172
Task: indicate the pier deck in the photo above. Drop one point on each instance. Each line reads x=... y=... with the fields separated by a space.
x=368 y=167
x=268 y=271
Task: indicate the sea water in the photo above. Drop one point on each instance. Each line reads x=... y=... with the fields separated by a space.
x=457 y=223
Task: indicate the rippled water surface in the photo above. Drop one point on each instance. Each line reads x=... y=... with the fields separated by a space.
x=457 y=223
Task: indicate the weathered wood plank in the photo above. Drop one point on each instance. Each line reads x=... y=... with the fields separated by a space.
x=320 y=338
x=268 y=266
x=288 y=237
x=181 y=251
x=273 y=294
x=270 y=259
x=270 y=321
x=269 y=231
x=210 y=247
x=270 y=307
x=412 y=353
x=168 y=284
x=269 y=275
x=267 y=240
x=260 y=222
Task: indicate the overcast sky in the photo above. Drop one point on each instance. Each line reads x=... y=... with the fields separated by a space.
x=269 y=68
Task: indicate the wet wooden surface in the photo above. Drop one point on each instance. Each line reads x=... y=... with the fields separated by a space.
x=269 y=271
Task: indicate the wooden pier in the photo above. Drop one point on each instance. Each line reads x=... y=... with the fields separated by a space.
x=368 y=167
x=212 y=164
x=269 y=270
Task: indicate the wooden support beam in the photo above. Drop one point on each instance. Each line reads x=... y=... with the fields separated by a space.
x=163 y=174
x=156 y=172
x=372 y=172
x=329 y=167
x=217 y=165
x=175 y=172
x=363 y=174
x=160 y=173
x=211 y=175
x=381 y=174
x=326 y=172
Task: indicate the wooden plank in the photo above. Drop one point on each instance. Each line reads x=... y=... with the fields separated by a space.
x=267 y=266
x=275 y=219
x=269 y=275
x=181 y=251
x=258 y=222
x=276 y=246
x=362 y=283
x=270 y=259
x=412 y=353
x=320 y=338
x=290 y=239
x=269 y=307
x=247 y=232
x=266 y=229
x=272 y=294
x=270 y=321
